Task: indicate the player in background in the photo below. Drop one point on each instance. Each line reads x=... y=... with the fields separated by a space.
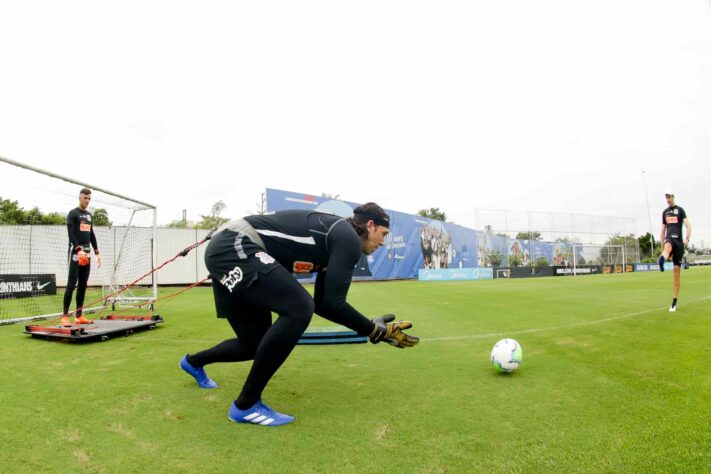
x=673 y=244
x=252 y=261
x=81 y=239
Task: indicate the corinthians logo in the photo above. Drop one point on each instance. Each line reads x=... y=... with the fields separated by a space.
x=24 y=286
x=15 y=286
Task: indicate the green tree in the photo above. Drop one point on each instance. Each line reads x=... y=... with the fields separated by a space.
x=617 y=239
x=54 y=218
x=261 y=206
x=101 y=218
x=541 y=262
x=494 y=258
x=10 y=212
x=646 y=244
x=181 y=224
x=490 y=230
x=533 y=235
x=515 y=260
x=433 y=213
x=610 y=255
x=33 y=216
x=213 y=220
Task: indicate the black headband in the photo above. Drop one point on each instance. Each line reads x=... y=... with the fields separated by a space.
x=377 y=218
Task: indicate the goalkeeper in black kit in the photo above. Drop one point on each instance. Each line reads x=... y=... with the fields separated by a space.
x=81 y=240
x=674 y=243
x=251 y=263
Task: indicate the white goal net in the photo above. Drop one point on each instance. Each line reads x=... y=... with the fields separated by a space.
x=34 y=255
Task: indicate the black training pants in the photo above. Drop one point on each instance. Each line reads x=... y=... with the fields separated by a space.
x=257 y=338
x=78 y=277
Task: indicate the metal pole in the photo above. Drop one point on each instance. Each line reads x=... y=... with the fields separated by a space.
x=575 y=263
x=154 y=254
x=649 y=213
x=531 y=258
x=69 y=180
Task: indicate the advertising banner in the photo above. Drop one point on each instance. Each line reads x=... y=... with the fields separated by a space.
x=579 y=270
x=522 y=272
x=611 y=269
x=451 y=274
x=27 y=285
x=652 y=267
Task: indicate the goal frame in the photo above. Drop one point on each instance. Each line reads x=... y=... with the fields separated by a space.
x=619 y=247
x=107 y=291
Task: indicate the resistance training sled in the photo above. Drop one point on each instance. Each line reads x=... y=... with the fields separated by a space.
x=101 y=329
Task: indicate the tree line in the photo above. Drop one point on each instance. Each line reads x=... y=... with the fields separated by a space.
x=11 y=213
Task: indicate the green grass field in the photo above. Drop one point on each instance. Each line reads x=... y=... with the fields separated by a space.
x=611 y=382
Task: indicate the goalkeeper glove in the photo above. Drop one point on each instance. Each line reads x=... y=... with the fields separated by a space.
x=391 y=332
x=82 y=258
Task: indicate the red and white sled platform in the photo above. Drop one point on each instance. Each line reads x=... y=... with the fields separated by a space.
x=101 y=329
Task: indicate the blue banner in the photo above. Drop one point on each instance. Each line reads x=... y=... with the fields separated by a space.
x=451 y=274
x=652 y=267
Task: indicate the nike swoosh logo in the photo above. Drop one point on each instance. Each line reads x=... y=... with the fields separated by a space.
x=39 y=287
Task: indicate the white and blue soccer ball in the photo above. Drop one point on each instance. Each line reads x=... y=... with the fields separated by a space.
x=506 y=355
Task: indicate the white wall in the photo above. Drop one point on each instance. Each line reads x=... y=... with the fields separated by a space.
x=182 y=270
x=44 y=249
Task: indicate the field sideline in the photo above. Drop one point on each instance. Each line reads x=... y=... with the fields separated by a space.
x=610 y=382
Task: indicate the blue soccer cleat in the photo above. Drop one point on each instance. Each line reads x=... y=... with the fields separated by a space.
x=258 y=414
x=198 y=373
x=661 y=263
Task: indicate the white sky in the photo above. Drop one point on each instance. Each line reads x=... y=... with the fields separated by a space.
x=544 y=106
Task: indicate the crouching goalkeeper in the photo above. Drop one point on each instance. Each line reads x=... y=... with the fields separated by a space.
x=252 y=261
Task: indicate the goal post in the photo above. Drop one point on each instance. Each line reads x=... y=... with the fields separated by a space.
x=614 y=256
x=34 y=255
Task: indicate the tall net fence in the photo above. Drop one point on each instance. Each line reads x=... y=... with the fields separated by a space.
x=572 y=238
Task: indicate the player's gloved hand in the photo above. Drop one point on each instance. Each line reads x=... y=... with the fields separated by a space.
x=82 y=258
x=391 y=332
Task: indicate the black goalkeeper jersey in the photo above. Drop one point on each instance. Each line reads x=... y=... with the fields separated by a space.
x=309 y=241
x=81 y=231
x=673 y=217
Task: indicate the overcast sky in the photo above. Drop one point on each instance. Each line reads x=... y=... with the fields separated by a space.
x=524 y=105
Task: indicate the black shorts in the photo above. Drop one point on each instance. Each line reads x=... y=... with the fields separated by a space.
x=234 y=263
x=677 y=246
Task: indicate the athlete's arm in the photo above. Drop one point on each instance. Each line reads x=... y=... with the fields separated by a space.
x=687 y=224
x=73 y=230
x=333 y=283
x=663 y=234
x=92 y=239
x=95 y=246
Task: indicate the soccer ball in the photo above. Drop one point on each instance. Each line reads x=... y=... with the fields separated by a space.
x=506 y=355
